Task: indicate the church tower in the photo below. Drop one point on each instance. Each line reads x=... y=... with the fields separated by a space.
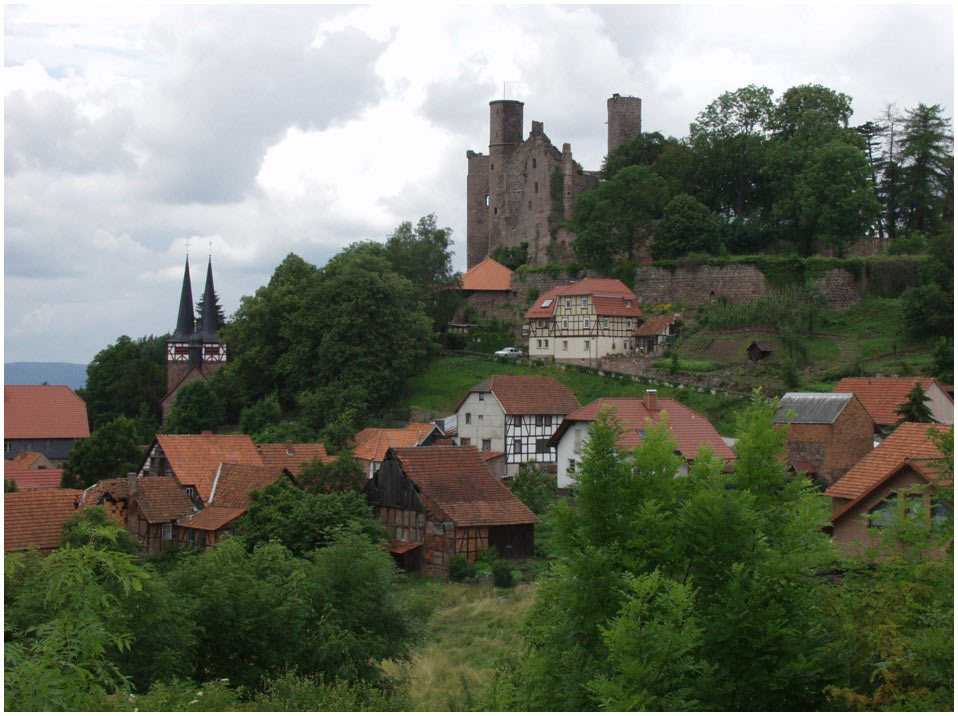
x=178 y=347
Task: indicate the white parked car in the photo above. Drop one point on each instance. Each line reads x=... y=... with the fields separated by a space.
x=509 y=353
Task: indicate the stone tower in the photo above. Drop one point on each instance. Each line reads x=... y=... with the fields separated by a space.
x=625 y=119
x=194 y=352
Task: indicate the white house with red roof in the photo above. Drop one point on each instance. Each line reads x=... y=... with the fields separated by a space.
x=42 y=418
x=590 y=319
x=690 y=430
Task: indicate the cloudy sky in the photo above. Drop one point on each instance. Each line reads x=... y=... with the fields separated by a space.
x=131 y=131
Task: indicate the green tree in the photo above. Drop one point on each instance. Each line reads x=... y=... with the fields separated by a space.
x=511 y=256
x=343 y=474
x=111 y=451
x=644 y=149
x=197 y=408
x=615 y=218
x=123 y=377
x=928 y=309
x=535 y=488
x=914 y=410
x=260 y=415
x=686 y=227
x=927 y=168
x=93 y=525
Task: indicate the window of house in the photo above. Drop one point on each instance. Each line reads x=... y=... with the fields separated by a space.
x=190 y=492
x=516 y=446
x=7 y=446
x=586 y=346
x=605 y=322
x=539 y=343
x=468 y=418
x=571 y=467
x=585 y=301
x=628 y=324
x=480 y=418
x=940 y=513
x=517 y=421
x=482 y=396
x=568 y=303
x=542 y=446
x=546 y=342
x=438 y=528
x=565 y=322
x=166 y=532
x=628 y=303
x=565 y=345
x=885 y=512
x=577 y=444
x=466 y=442
x=585 y=323
x=487 y=444
x=539 y=420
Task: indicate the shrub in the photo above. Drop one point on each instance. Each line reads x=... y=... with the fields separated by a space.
x=460 y=569
x=502 y=574
x=789 y=374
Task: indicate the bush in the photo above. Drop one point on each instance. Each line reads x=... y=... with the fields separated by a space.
x=502 y=574
x=789 y=374
x=460 y=569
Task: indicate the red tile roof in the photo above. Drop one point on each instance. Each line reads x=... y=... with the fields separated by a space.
x=909 y=441
x=116 y=487
x=460 y=483
x=162 y=499
x=34 y=479
x=689 y=429
x=196 y=458
x=212 y=518
x=487 y=275
x=922 y=467
x=882 y=396
x=372 y=443
x=43 y=411
x=26 y=460
x=609 y=296
x=34 y=519
x=235 y=482
x=655 y=325
x=292 y=456
x=528 y=394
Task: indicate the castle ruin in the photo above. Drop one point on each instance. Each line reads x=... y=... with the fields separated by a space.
x=524 y=190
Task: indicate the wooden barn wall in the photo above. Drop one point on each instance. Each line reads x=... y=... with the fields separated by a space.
x=513 y=541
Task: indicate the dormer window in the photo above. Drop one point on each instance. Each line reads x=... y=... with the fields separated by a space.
x=628 y=303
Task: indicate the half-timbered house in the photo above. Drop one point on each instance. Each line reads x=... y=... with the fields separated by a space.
x=516 y=415
x=587 y=320
x=34 y=519
x=370 y=444
x=155 y=506
x=443 y=500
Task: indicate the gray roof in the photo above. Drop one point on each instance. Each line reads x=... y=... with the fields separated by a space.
x=821 y=408
x=761 y=345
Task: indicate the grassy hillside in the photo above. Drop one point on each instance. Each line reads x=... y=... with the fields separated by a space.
x=443 y=383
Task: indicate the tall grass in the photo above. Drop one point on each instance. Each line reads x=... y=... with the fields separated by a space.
x=791 y=304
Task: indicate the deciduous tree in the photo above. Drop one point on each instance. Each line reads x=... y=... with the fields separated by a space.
x=112 y=450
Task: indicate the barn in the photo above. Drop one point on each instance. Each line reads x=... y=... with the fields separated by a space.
x=443 y=500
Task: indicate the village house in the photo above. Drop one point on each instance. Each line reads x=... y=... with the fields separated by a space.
x=883 y=396
x=34 y=519
x=656 y=334
x=442 y=500
x=46 y=419
x=866 y=495
x=28 y=460
x=690 y=430
x=588 y=320
x=514 y=414
x=758 y=350
x=29 y=480
x=291 y=456
x=371 y=444
x=828 y=433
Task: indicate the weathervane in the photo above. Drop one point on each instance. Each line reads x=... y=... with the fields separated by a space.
x=211 y=247
x=187 y=248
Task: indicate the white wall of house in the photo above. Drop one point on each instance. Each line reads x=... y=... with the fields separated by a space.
x=941 y=406
x=526 y=438
x=570 y=450
x=482 y=418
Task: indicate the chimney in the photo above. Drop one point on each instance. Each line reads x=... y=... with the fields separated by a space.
x=289 y=447
x=650 y=403
x=130 y=485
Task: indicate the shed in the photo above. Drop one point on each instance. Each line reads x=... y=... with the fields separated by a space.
x=758 y=350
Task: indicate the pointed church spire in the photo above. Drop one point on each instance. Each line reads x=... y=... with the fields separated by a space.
x=184 y=321
x=207 y=322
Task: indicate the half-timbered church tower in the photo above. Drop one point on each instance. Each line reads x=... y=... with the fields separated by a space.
x=194 y=352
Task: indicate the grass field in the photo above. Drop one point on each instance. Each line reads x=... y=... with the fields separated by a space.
x=443 y=383
x=471 y=627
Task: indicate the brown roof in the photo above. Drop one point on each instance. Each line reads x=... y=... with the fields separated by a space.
x=882 y=396
x=116 y=487
x=655 y=325
x=372 y=443
x=292 y=456
x=25 y=460
x=43 y=411
x=196 y=458
x=487 y=275
x=162 y=499
x=689 y=428
x=34 y=519
x=34 y=479
x=609 y=297
x=212 y=518
x=460 y=483
x=909 y=441
x=235 y=482
x=923 y=467
x=528 y=394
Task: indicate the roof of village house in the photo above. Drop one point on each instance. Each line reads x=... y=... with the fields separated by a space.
x=655 y=325
x=25 y=460
x=909 y=441
x=689 y=428
x=234 y=482
x=292 y=456
x=34 y=519
x=162 y=499
x=487 y=275
x=115 y=487
x=923 y=466
x=211 y=518
x=33 y=479
x=527 y=394
x=812 y=408
x=762 y=346
x=610 y=297
x=882 y=396
x=196 y=458
x=461 y=484
x=372 y=443
x=43 y=411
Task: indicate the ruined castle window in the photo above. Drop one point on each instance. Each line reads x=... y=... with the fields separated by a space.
x=530 y=203
x=495 y=210
x=491 y=166
x=537 y=187
x=487 y=200
x=533 y=162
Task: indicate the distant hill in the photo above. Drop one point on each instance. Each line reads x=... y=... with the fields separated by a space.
x=71 y=374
